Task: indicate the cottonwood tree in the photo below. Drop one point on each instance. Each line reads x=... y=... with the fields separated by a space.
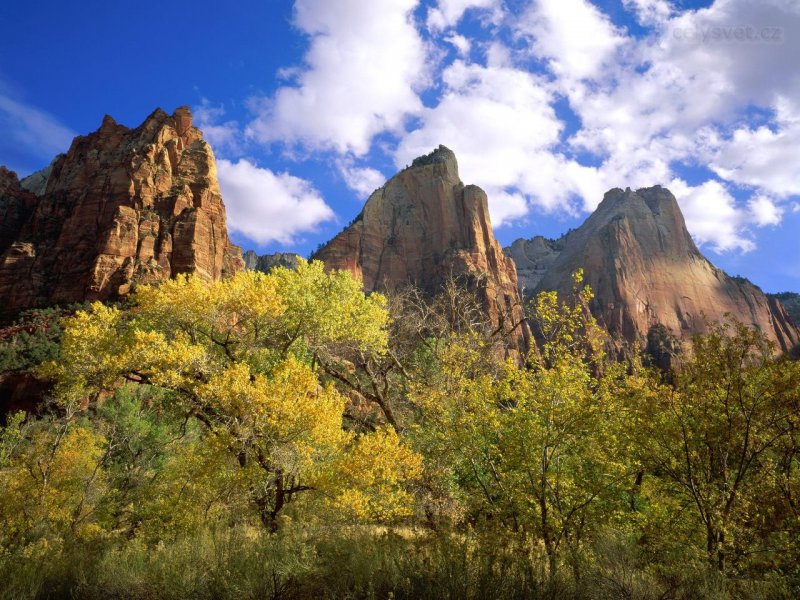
x=238 y=356
x=532 y=448
x=723 y=439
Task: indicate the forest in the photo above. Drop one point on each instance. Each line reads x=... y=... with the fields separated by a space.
x=286 y=435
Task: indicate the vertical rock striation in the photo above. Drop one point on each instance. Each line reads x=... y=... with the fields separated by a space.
x=121 y=207
x=16 y=206
x=423 y=226
x=646 y=272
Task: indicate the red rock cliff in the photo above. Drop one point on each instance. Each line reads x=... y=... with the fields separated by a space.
x=122 y=207
x=645 y=270
x=423 y=226
x=16 y=206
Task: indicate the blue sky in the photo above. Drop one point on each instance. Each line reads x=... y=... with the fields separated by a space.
x=312 y=104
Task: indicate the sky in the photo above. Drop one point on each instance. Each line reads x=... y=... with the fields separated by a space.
x=311 y=105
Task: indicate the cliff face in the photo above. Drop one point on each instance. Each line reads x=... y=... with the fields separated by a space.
x=646 y=271
x=16 y=206
x=423 y=226
x=266 y=262
x=791 y=302
x=533 y=258
x=122 y=207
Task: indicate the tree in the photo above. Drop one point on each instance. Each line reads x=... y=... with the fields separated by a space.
x=721 y=438
x=534 y=448
x=51 y=483
x=238 y=356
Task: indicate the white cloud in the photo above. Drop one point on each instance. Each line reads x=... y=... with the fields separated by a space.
x=361 y=74
x=573 y=35
x=643 y=106
x=500 y=123
x=39 y=132
x=362 y=180
x=460 y=43
x=447 y=13
x=268 y=207
x=224 y=136
x=763 y=158
x=688 y=101
x=650 y=12
x=764 y=211
x=712 y=216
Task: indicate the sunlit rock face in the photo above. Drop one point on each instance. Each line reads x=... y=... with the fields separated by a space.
x=646 y=271
x=122 y=207
x=423 y=226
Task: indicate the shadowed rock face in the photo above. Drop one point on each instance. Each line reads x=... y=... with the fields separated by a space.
x=420 y=228
x=791 y=302
x=645 y=270
x=533 y=258
x=266 y=262
x=122 y=207
x=16 y=206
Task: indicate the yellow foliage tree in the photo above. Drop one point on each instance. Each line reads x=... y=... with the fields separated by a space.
x=52 y=483
x=238 y=356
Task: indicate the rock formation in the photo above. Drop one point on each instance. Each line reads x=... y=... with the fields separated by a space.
x=266 y=262
x=533 y=258
x=16 y=206
x=791 y=302
x=37 y=182
x=122 y=207
x=646 y=272
x=423 y=226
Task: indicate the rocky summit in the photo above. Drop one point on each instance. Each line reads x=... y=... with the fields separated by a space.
x=646 y=272
x=123 y=206
x=423 y=226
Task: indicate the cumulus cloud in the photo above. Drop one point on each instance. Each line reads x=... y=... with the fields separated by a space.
x=573 y=35
x=636 y=109
x=650 y=12
x=501 y=124
x=688 y=101
x=361 y=74
x=764 y=211
x=447 y=13
x=362 y=180
x=764 y=157
x=460 y=43
x=269 y=207
x=223 y=135
x=712 y=216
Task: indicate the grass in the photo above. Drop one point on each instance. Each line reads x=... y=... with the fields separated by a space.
x=351 y=563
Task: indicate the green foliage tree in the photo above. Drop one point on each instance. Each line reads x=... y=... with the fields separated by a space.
x=534 y=448
x=722 y=441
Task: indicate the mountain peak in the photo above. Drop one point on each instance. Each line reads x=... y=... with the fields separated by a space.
x=123 y=207
x=424 y=226
x=645 y=270
x=440 y=156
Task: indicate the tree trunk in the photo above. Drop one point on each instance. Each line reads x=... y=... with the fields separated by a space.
x=716 y=547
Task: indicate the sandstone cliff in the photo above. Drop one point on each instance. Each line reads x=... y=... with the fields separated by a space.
x=791 y=302
x=646 y=272
x=16 y=206
x=123 y=206
x=423 y=226
x=266 y=262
